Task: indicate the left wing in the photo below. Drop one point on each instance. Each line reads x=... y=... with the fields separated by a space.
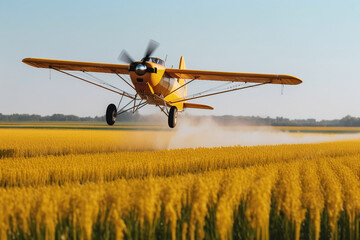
x=232 y=76
x=77 y=66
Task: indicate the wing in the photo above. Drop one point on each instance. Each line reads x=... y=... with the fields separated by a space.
x=77 y=66
x=232 y=76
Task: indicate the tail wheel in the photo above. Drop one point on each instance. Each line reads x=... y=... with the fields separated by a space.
x=111 y=114
x=173 y=113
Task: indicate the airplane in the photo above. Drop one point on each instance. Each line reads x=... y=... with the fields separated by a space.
x=155 y=84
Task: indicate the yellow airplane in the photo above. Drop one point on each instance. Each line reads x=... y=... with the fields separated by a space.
x=155 y=84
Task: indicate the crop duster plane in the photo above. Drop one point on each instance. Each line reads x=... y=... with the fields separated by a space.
x=155 y=84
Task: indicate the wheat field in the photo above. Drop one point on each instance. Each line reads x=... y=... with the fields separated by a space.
x=85 y=184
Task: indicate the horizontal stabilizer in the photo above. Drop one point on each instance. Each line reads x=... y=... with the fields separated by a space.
x=198 y=106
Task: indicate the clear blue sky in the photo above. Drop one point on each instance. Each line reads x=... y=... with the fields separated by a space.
x=317 y=41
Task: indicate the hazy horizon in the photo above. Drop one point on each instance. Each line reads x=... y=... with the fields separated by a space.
x=184 y=115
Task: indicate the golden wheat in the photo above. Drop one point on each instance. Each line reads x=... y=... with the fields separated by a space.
x=73 y=181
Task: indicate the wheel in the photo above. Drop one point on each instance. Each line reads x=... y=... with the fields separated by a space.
x=173 y=116
x=111 y=114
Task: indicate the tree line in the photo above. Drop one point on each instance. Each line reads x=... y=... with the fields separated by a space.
x=228 y=120
x=347 y=121
x=62 y=118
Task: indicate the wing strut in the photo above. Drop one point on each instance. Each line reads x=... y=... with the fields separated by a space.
x=212 y=94
x=134 y=108
x=125 y=81
x=82 y=79
x=182 y=86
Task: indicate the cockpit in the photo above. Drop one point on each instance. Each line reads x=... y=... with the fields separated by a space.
x=155 y=60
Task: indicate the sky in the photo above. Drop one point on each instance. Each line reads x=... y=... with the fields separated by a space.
x=317 y=41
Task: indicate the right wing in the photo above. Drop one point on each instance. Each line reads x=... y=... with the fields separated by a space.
x=77 y=66
x=232 y=76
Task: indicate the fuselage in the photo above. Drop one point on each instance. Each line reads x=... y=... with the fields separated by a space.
x=154 y=86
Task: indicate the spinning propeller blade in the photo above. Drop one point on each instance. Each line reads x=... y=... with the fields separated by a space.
x=125 y=57
x=152 y=46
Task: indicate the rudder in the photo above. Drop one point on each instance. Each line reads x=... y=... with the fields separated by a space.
x=181 y=81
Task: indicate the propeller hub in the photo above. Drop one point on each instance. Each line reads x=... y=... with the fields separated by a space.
x=140 y=69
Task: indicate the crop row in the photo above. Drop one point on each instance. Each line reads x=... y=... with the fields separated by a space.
x=104 y=167
x=257 y=198
x=43 y=142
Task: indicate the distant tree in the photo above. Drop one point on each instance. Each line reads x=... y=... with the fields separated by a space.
x=228 y=120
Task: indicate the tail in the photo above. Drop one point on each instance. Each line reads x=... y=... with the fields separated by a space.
x=181 y=81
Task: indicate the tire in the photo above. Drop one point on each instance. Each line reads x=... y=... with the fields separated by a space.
x=173 y=116
x=111 y=114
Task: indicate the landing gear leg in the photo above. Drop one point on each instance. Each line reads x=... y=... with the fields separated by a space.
x=173 y=116
x=111 y=114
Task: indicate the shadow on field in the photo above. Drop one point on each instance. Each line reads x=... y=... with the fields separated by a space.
x=5 y=153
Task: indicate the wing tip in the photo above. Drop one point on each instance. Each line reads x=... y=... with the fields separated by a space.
x=291 y=80
x=297 y=80
x=26 y=60
x=29 y=61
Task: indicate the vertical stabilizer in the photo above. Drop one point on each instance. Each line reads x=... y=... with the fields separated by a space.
x=182 y=64
x=181 y=81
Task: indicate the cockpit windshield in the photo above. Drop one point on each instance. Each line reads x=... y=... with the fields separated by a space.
x=155 y=60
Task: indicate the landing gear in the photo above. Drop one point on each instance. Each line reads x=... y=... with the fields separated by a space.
x=173 y=116
x=111 y=114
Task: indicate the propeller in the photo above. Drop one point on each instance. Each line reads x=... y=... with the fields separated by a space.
x=152 y=46
x=141 y=68
x=125 y=56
